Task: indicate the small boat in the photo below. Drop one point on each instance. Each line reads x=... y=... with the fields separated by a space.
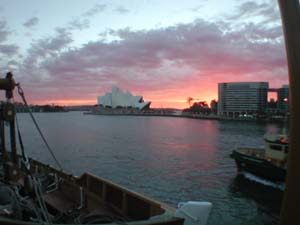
x=269 y=162
x=34 y=193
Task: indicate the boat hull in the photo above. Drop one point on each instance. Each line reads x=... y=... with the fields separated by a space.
x=94 y=197
x=258 y=166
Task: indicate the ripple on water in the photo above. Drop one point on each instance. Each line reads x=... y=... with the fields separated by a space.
x=170 y=159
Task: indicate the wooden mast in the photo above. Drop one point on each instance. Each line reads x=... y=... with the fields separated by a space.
x=290 y=14
x=7 y=113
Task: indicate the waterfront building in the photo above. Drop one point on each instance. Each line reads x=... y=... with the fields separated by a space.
x=119 y=99
x=283 y=99
x=272 y=108
x=237 y=99
x=214 y=106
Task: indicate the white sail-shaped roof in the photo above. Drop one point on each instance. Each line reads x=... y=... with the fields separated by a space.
x=118 y=98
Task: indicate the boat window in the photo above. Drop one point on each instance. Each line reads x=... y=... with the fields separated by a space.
x=286 y=149
x=276 y=147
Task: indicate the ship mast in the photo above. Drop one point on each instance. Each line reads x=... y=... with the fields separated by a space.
x=7 y=114
x=290 y=14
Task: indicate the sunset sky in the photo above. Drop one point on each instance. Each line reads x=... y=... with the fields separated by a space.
x=69 y=52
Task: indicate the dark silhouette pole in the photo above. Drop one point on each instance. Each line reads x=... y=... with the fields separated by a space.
x=290 y=14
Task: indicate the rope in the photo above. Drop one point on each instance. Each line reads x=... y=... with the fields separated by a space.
x=36 y=183
x=21 y=93
x=27 y=204
x=24 y=156
x=38 y=193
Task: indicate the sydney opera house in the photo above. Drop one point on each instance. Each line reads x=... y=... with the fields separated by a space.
x=119 y=99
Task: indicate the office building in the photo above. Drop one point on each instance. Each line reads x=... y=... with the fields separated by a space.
x=283 y=99
x=242 y=98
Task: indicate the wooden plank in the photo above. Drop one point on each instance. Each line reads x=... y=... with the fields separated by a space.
x=171 y=221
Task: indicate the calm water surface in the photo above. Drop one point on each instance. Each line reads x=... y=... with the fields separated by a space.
x=170 y=159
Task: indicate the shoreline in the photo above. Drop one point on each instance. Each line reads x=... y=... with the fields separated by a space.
x=194 y=116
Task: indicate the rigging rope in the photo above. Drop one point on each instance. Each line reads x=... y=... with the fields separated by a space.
x=24 y=157
x=42 y=204
x=36 y=184
x=21 y=93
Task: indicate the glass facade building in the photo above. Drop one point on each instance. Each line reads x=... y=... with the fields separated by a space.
x=283 y=99
x=240 y=98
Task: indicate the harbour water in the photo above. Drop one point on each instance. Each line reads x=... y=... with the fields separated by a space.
x=169 y=159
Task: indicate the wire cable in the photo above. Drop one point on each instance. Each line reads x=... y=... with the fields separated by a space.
x=21 y=93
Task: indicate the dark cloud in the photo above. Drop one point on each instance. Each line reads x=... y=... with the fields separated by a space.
x=12 y=63
x=197 y=8
x=31 y=22
x=8 y=50
x=267 y=12
x=122 y=10
x=98 y=8
x=4 y=32
x=77 y=24
x=44 y=48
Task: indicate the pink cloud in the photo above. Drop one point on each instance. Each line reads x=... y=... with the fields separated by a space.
x=167 y=64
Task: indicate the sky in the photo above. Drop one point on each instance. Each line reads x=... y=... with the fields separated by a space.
x=69 y=52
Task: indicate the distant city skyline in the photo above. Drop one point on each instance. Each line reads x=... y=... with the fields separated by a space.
x=165 y=51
